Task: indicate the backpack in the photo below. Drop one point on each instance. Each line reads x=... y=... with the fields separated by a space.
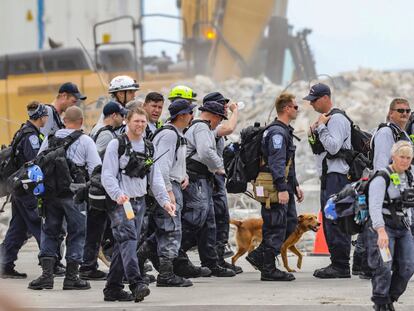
x=357 y=158
x=396 y=132
x=242 y=161
x=409 y=126
x=350 y=205
x=57 y=169
x=98 y=197
x=8 y=158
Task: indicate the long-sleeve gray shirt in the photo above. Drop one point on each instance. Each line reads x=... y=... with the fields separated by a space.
x=202 y=139
x=102 y=141
x=117 y=183
x=376 y=193
x=334 y=136
x=383 y=140
x=51 y=126
x=82 y=152
x=172 y=164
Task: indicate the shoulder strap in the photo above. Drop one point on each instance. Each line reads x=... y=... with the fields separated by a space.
x=102 y=129
x=342 y=112
x=71 y=138
x=410 y=177
x=199 y=121
x=149 y=148
x=193 y=123
x=122 y=144
x=148 y=132
x=56 y=117
x=168 y=127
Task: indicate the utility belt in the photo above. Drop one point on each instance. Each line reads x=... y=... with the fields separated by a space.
x=198 y=170
x=395 y=216
x=263 y=188
x=136 y=199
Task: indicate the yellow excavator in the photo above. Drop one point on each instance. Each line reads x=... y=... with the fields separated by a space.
x=220 y=38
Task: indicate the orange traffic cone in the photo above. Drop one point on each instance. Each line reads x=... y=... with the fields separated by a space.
x=319 y=247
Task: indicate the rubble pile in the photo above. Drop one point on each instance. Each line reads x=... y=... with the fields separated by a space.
x=364 y=94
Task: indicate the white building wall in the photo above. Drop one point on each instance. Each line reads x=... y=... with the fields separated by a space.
x=64 y=22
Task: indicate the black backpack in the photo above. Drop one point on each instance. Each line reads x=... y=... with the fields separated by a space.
x=357 y=158
x=242 y=160
x=56 y=168
x=8 y=158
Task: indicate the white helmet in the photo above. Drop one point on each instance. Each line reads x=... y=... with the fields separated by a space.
x=122 y=83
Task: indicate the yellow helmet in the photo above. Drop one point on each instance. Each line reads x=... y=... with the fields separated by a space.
x=182 y=91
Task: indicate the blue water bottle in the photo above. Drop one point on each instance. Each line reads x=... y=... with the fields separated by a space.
x=329 y=209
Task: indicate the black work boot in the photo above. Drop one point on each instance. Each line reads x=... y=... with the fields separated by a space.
x=220 y=254
x=255 y=258
x=148 y=251
x=383 y=307
x=220 y=272
x=271 y=273
x=59 y=269
x=8 y=272
x=227 y=265
x=167 y=278
x=331 y=272
x=93 y=275
x=183 y=267
x=228 y=251
x=72 y=280
x=117 y=295
x=140 y=291
x=45 y=281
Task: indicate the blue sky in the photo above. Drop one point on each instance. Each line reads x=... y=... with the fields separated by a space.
x=346 y=34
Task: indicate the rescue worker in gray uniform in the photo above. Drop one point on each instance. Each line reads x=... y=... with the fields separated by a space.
x=333 y=133
x=96 y=225
x=127 y=165
x=170 y=140
x=221 y=209
x=199 y=227
x=391 y=197
x=386 y=135
x=82 y=153
x=68 y=96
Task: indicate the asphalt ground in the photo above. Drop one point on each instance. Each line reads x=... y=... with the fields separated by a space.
x=244 y=292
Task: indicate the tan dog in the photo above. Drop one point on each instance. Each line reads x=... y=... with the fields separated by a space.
x=249 y=235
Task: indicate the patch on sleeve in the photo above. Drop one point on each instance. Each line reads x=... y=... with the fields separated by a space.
x=277 y=141
x=34 y=141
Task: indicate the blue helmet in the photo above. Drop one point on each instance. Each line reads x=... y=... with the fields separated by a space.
x=35 y=176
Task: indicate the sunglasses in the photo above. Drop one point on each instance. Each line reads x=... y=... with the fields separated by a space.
x=402 y=110
x=294 y=107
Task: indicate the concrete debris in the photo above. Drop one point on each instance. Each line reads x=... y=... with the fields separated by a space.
x=364 y=94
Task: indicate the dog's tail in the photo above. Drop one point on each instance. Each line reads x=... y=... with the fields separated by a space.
x=236 y=222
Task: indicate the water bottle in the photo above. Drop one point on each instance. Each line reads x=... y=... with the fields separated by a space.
x=241 y=105
x=385 y=254
x=330 y=212
x=362 y=201
x=129 y=212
